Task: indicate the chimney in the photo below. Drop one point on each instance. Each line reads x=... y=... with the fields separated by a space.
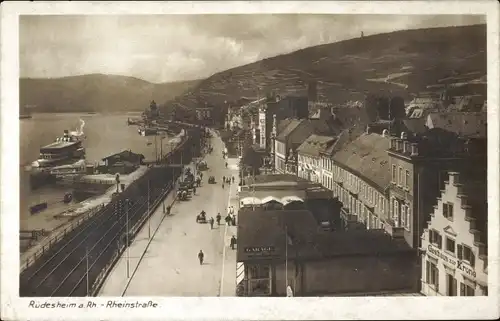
x=414 y=149
x=392 y=144
x=453 y=178
x=406 y=147
x=312 y=91
x=399 y=145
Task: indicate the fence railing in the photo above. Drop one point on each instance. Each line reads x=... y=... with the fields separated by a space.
x=47 y=243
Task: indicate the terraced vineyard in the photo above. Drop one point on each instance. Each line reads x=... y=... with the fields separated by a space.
x=406 y=62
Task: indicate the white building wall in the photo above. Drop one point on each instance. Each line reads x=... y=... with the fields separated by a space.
x=447 y=261
x=262 y=127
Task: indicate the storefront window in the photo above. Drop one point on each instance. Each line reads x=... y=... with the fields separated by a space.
x=259 y=280
x=451 y=286
x=432 y=274
x=466 y=290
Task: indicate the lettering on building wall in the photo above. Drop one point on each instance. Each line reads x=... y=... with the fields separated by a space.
x=451 y=261
x=259 y=249
x=262 y=125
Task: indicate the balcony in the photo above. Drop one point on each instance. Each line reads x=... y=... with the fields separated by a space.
x=395 y=232
x=348 y=217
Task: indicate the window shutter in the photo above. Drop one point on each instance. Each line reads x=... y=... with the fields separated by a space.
x=459 y=251
x=472 y=259
x=436 y=276
x=462 y=289
x=445 y=210
x=440 y=241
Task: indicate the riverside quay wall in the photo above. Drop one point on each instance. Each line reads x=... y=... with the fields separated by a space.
x=74 y=266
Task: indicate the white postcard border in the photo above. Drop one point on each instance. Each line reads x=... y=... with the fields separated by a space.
x=15 y=308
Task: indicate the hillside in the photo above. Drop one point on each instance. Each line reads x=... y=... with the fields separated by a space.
x=403 y=62
x=95 y=93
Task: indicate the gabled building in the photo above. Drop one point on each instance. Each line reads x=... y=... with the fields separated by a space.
x=279 y=108
x=454 y=243
x=289 y=139
x=309 y=154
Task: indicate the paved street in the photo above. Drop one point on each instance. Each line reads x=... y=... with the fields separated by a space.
x=170 y=265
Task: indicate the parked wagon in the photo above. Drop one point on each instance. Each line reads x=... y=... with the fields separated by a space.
x=202 y=166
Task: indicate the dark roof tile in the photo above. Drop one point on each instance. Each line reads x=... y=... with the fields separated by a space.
x=367 y=156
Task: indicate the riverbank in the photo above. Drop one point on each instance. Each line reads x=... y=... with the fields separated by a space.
x=53 y=220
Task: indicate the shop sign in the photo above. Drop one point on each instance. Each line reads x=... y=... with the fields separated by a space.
x=459 y=264
x=259 y=249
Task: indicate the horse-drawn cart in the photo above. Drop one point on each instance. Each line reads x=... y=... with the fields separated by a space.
x=183 y=194
x=201 y=218
x=202 y=166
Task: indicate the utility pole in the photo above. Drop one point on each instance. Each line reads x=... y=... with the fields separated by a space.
x=286 y=258
x=128 y=244
x=156 y=150
x=149 y=214
x=87 y=268
x=161 y=149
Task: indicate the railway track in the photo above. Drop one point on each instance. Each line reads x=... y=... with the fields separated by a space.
x=62 y=271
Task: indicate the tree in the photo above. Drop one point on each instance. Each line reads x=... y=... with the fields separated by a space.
x=383 y=108
x=251 y=161
x=371 y=106
x=397 y=107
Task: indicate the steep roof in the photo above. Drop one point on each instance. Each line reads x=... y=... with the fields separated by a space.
x=415 y=125
x=292 y=125
x=461 y=123
x=316 y=144
x=282 y=124
x=367 y=157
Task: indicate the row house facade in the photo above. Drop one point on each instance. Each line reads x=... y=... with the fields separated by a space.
x=454 y=259
x=310 y=158
x=360 y=178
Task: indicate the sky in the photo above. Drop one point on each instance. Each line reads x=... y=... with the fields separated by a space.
x=165 y=48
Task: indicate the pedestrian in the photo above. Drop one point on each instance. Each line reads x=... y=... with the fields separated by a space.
x=218 y=217
x=168 y=210
x=226 y=164
x=233 y=242
x=228 y=220
x=201 y=256
x=223 y=178
x=233 y=220
x=194 y=190
x=223 y=185
x=233 y=179
x=211 y=223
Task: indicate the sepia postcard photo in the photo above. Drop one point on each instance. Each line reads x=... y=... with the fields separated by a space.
x=249 y=160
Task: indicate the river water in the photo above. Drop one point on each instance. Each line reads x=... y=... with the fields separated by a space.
x=106 y=134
